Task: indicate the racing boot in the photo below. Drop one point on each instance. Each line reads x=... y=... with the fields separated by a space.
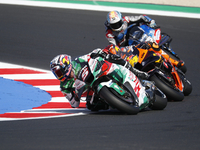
x=94 y=103
x=155 y=47
x=179 y=64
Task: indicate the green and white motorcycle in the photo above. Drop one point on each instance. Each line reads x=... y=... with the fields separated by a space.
x=119 y=88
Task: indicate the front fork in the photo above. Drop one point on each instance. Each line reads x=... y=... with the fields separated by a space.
x=177 y=79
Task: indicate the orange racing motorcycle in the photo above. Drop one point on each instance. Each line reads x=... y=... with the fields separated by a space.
x=135 y=35
x=167 y=77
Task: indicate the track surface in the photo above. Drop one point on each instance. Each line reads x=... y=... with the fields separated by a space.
x=32 y=36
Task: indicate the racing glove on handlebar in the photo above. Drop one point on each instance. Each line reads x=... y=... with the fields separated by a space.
x=98 y=53
x=115 y=59
x=109 y=57
x=151 y=23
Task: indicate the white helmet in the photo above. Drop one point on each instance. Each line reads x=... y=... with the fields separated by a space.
x=114 y=19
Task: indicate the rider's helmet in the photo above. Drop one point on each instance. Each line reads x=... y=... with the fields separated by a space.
x=114 y=18
x=61 y=66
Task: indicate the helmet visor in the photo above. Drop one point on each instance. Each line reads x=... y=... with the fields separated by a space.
x=58 y=72
x=62 y=74
x=116 y=25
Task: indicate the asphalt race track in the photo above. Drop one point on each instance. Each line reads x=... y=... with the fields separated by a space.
x=32 y=36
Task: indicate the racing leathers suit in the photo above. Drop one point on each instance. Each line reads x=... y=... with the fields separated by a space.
x=118 y=37
x=75 y=87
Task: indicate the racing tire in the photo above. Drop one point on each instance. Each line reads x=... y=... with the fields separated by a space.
x=183 y=68
x=114 y=101
x=187 y=86
x=160 y=101
x=170 y=93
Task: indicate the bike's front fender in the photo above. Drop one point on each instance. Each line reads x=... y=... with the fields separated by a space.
x=111 y=84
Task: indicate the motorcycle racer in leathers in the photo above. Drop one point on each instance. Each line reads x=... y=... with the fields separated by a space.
x=116 y=24
x=70 y=73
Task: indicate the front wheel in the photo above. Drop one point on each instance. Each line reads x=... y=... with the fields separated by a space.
x=187 y=85
x=113 y=100
x=171 y=93
x=183 y=68
x=160 y=101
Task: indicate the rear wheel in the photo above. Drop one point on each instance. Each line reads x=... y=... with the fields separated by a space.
x=167 y=89
x=114 y=100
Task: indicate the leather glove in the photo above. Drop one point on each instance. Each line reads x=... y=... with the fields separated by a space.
x=112 y=57
x=99 y=53
x=102 y=54
x=152 y=24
